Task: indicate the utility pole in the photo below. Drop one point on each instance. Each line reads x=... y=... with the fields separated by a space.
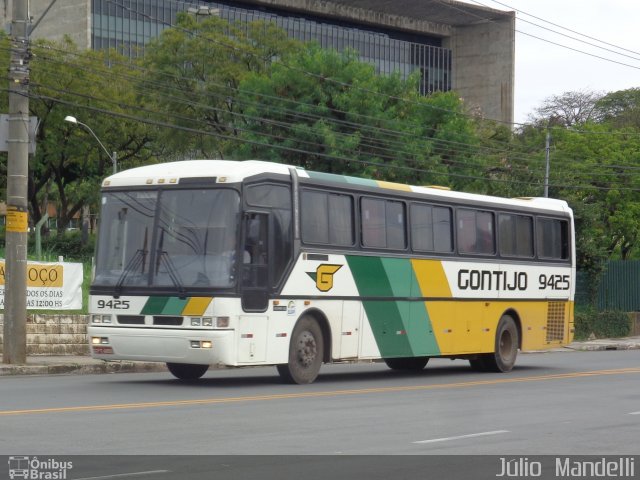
x=547 y=150
x=15 y=311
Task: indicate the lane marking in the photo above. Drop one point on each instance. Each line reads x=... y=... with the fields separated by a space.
x=125 y=475
x=634 y=413
x=320 y=394
x=460 y=437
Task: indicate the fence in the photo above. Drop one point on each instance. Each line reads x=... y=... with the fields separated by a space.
x=618 y=289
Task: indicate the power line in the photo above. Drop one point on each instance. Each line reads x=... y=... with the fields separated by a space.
x=565 y=28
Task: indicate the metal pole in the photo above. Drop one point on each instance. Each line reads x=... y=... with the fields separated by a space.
x=15 y=311
x=547 y=149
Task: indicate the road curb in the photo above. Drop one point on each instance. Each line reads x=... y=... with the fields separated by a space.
x=593 y=347
x=81 y=369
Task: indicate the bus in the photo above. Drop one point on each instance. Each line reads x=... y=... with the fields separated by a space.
x=215 y=262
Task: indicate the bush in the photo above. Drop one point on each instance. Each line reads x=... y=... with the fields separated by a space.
x=607 y=324
x=69 y=245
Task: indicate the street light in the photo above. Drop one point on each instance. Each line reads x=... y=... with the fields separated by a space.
x=113 y=157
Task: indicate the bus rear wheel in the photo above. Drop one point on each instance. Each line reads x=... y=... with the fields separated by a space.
x=506 y=347
x=187 y=371
x=305 y=352
x=407 y=364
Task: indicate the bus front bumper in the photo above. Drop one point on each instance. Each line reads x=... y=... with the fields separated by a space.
x=204 y=347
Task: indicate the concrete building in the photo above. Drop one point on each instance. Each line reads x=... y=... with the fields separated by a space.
x=454 y=45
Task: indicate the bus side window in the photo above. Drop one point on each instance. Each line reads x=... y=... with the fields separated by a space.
x=255 y=253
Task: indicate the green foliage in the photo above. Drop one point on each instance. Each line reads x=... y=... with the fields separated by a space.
x=620 y=109
x=70 y=164
x=607 y=324
x=327 y=111
x=68 y=245
x=195 y=69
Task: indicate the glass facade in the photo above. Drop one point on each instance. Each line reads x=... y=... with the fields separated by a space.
x=127 y=25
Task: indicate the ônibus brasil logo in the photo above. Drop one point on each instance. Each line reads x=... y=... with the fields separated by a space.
x=32 y=468
x=323 y=276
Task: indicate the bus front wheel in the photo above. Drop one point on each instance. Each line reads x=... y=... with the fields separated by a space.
x=187 y=371
x=506 y=347
x=305 y=352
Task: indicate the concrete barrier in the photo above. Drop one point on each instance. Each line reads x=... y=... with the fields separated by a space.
x=54 y=334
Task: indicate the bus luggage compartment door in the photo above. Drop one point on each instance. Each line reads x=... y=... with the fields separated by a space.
x=252 y=339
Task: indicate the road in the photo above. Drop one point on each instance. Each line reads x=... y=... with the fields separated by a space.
x=570 y=403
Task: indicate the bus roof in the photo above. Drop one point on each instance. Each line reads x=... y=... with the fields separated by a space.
x=229 y=171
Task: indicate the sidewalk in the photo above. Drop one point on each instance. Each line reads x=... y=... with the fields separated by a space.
x=76 y=364
x=71 y=364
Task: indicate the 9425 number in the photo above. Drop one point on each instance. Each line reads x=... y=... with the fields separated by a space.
x=554 y=282
x=114 y=304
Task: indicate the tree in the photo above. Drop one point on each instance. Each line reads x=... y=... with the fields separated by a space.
x=194 y=70
x=567 y=109
x=621 y=109
x=69 y=165
x=329 y=112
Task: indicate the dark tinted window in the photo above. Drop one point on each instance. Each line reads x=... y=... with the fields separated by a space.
x=327 y=218
x=277 y=198
x=552 y=239
x=516 y=235
x=475 y=232
x=431 y=228
x=383 y=224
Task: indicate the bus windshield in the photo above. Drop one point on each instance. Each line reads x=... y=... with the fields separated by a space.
x=174 y=238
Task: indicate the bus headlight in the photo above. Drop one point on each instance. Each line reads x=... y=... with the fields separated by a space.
x=100 y=318
x=196 y=321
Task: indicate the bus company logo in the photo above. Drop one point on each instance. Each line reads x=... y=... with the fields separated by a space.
x=36 y=469
x=323 y=276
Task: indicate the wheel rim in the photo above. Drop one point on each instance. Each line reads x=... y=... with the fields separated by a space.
x=506 y=345
x=307 y=349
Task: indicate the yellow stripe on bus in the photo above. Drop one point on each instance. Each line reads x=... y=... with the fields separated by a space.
x=196 y=306
x=431 y=278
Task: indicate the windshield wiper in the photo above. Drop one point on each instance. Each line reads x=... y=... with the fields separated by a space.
x=138 y=259
x=171 y=270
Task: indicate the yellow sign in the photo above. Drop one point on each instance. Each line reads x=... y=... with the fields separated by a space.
x=40 y=275
x=17 y=220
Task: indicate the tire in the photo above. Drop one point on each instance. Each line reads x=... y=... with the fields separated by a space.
x=407 y=364
x=187 y=371
x=506 y=347
x=305 y=353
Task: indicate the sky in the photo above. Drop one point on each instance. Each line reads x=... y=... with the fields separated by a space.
x=543 y=69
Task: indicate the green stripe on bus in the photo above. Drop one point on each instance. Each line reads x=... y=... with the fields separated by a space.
x=385 y=316
x=332 y=177
x=401 y=328
x=174 y=306
x=154 y=305
x=414 y=314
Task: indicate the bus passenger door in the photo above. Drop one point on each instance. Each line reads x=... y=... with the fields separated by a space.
x=255 y=263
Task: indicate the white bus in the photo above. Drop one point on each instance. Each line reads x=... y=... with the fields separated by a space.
x=212 y=262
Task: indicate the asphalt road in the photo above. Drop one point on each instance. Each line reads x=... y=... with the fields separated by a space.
x=580 y=403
